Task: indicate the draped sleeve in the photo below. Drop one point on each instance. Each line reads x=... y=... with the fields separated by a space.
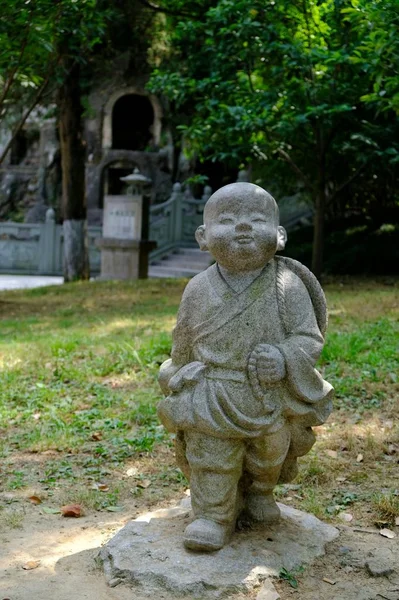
x=182 y=333
x=302 y=345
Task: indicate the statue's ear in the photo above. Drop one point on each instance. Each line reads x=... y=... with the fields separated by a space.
x=281 y=238
x=201 y=237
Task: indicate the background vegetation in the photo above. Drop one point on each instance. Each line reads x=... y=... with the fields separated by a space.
x=303 y=92
x=306 y=90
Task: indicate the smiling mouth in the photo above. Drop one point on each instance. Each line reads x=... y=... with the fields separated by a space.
x=244 y=239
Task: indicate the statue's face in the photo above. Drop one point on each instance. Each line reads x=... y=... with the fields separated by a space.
x=241 y=235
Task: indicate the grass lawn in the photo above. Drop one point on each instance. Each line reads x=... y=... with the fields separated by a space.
x=78 y=368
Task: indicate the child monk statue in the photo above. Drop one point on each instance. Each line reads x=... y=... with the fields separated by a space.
x=242 y=391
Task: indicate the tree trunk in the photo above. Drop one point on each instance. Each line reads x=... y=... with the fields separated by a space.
x=318 y=232
x=73 y=206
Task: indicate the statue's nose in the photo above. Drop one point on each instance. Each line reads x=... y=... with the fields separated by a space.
x=243 y=226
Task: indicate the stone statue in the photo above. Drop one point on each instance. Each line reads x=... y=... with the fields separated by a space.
x=242 y=392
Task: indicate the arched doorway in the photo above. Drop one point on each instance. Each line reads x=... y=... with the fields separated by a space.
x=132 y=123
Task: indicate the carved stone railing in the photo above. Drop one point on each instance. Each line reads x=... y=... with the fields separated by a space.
x=38 y=248
x=19 y=247
x=173 y=223
x=28 y=249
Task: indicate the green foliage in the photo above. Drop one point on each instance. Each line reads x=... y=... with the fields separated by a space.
x=40 y=41
x=363 y=249
x=88 y=393
x=371 y=358
x=78 y=403
x=88 y=390
x=291 y=576
x=262 y=75
x=376 y=23
x=298 y=87
x=387 y=505
x=342 y=500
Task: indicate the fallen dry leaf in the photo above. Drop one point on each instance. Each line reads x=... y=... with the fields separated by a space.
x=96 y=436
x=31 y=564
x=387 y=533
x=397 y=521
x=71 y=510
x=340 y=479
x=35 y=499
x=145 y=483
x=103 y=487
x=332 y=453
x=359 y=458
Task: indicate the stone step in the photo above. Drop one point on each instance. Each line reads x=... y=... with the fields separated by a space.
x=183 y=262
x=170 y=272
x=191 y=251
x=188 y=264
x=203 y=257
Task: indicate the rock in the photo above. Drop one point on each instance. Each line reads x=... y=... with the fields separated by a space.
x=379 y=562
x=268 y=592
x=149 y=553
x=114 y=582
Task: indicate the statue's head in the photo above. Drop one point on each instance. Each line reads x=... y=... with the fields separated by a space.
x=241 y=227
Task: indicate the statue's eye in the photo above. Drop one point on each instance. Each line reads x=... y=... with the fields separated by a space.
x=226 y=220
x=259 y=220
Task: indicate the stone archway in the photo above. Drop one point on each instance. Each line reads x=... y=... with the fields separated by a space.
x=132 y=123
x=133 y=104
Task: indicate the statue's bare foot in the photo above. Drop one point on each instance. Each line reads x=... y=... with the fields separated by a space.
x=206 y=536
x=262 y=508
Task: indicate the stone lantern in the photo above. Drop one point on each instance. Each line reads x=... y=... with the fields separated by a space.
x=125 y=246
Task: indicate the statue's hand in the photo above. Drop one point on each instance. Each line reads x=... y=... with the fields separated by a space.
x=166 y=372
x=189 y=374
x=270 y=364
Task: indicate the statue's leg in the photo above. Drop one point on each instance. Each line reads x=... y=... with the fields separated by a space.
x=263 y=462
x=215 y=470
x=180 y=454
x=302 y=440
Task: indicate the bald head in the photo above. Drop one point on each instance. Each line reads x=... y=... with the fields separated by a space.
x=242 y=194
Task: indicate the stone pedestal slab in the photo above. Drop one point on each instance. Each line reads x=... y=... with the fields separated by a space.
x=149 y=553
x=119 y=258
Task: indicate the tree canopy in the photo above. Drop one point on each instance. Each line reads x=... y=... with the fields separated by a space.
x=306 y=88
x=304 y=91
x=36 y=36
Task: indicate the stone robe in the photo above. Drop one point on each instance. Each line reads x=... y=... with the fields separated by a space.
x=217 y=330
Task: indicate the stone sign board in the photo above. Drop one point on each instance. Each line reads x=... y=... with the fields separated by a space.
x=122 y=217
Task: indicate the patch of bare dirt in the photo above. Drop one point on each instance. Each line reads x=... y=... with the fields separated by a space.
x=357 y=566
x=360 y=565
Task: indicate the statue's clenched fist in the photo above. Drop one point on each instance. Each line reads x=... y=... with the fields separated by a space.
x=270 y=364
